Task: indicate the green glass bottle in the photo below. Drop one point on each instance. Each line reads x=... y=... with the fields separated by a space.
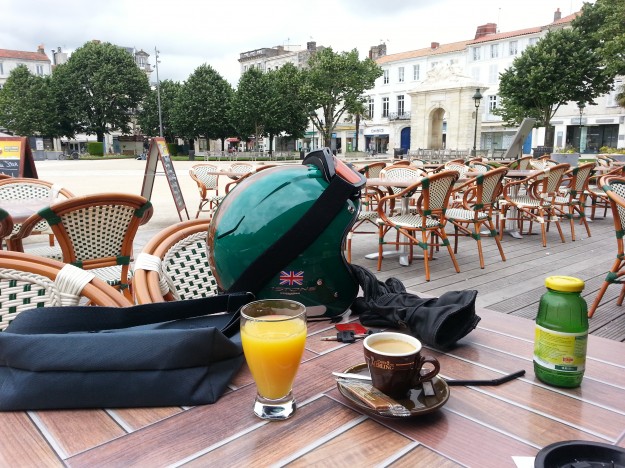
x=561 y=333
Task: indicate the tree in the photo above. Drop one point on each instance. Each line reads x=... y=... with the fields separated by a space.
x=356 y=110
x=286 y=116
x=603 y=24
x=100 y=86
x=148 y=115
x=203 y=105
x=334 y=82
x=26 y=104
x=250 y=110
x=560 y=68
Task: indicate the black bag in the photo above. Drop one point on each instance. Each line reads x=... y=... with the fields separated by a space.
x=437 y=321
x=164 y=354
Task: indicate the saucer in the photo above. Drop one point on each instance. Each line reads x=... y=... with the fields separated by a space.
x=417 y=401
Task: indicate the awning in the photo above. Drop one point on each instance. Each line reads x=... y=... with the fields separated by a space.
x=232 y=140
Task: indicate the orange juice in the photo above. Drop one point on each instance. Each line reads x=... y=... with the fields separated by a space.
x=273 y=349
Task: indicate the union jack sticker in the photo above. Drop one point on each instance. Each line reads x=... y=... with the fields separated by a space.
x=291 y=278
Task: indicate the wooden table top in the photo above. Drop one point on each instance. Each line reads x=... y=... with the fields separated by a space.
x=478 y=426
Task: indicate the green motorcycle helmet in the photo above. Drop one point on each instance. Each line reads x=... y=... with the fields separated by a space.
x=280 y=232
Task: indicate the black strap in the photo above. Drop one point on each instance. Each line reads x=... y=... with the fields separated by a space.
x=293 y=242
x=86 y=318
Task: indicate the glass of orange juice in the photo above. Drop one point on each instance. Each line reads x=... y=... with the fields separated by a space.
x=273 y=333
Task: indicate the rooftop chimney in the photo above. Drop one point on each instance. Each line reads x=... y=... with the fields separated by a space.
x=557 y=15
x=378 y=51
x=41 y=49
x=485 y=30
x=311 y=46
x=434 y=45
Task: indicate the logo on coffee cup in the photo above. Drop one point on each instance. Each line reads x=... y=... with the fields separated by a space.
x=386 y=365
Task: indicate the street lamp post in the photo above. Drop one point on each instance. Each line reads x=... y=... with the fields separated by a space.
x=158 y=96
x=580 y=106
x=477 y=98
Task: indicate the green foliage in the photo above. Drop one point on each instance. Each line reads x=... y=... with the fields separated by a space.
x=202 y=106
x=610 y=150
x=286 y=116
x=26 y=105
x=173 y=149
x=603 y=24
x=95 y=148
x=560 y=68
x=99 y=87
x=334 y=82
x=252 y=104
x=147 y=117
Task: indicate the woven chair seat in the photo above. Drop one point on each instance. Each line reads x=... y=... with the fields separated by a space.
x=524 y=200
x=413 y=221
x=110 y=275
x=460 y=214
x=53 y=252
x=367 y=215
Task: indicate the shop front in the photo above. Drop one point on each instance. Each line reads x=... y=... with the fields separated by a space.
x=376 y=140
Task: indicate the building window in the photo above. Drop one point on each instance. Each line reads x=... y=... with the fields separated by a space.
x=400 y=74
x=1 y=69
x=476 y=53
x=533 y=40
x=384 y=107
x=39 y=69
x=514 y=47
x=400 y=105
x=371 y=108
x=611 y=100
x=494 y=50
x=492 y=102
x=385 y=76
x=415 y=72
x=493 y=73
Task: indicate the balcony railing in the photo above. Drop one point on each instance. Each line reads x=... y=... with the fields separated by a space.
x=399 y=116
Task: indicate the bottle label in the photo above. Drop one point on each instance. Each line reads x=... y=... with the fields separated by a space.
x=560 y=351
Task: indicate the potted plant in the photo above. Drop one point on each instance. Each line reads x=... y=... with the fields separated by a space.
x=568 y=155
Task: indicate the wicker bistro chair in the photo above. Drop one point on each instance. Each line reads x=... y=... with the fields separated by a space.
x=207 y=185
x=523 y=163
x=27 y=189
x=543 y=163
x=536 y=204
x=96 y=232
x=571 y=201
x=479 y=204
x=174 y=265
x=29 y=281
x=598 y=197
x=614 y=187
x=400 y=172
x=6 y=225
x=434 y=193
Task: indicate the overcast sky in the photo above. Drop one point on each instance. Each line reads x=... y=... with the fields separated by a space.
x=189 y=33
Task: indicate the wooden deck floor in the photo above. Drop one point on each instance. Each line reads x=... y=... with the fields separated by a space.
x=515 y=286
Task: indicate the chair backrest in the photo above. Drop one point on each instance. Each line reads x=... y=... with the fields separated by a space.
x=401 y=172
x=371 y=171
x=522 y=163
x=479 y=166
x=614 y=188
x=436 y=191
x=550 y=183
x=28 y=281
x=242 y=168
x=488 y=187
x=96 y=231
x=173 y=265
x=579 y=178
x=200 y=174
x=460 y=167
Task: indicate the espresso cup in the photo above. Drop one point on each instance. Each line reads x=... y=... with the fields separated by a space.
x=395 y=362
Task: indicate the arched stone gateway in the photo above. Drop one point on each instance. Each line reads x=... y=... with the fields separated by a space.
x=443 y=111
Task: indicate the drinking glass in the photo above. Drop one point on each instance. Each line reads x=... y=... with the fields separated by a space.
x=273 y=333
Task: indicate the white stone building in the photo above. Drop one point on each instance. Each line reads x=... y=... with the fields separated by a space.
x=37 y=62
x=424 y=98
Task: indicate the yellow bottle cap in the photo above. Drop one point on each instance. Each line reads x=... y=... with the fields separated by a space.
x=564 y=283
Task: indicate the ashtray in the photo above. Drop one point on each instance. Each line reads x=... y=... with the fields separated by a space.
x=419 y=401
x=574 y=453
